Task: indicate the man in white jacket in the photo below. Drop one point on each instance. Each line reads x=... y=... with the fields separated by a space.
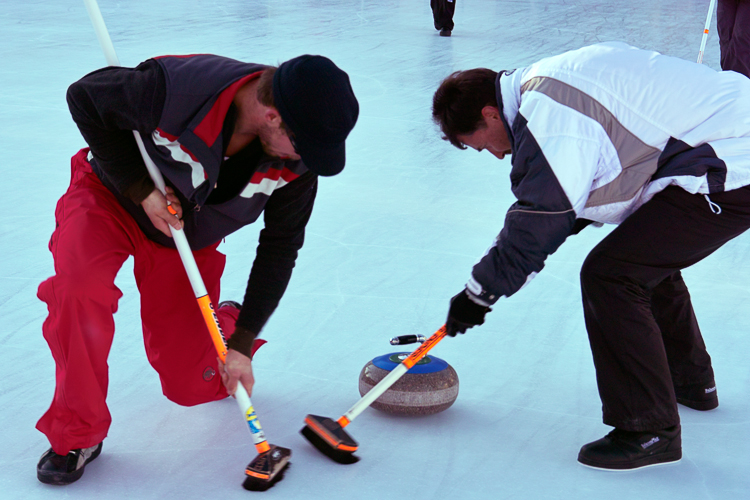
x=614 y=134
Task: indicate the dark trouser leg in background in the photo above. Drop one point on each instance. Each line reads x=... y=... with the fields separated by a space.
x=733 y=23
x=634 y=271
x=442 y=13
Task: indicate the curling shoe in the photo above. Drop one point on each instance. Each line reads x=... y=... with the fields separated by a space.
x=230 y=303
x=65 y=469
x=624 y=450
x=236 y=305
x=445 y=32
x=701 y=397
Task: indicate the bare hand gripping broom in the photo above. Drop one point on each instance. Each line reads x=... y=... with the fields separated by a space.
x=329 y=436
x=267 y=468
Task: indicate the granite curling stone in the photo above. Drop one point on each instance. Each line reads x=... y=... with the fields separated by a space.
x=430 y=386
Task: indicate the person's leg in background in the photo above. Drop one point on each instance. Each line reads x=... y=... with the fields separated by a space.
x=733 y=24
x=442 y=14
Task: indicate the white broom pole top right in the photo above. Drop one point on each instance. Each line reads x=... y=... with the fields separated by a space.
x=705 y=30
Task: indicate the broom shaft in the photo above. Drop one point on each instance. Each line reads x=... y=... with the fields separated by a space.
x=391 y=378
x=705 y=30
x=183 y=247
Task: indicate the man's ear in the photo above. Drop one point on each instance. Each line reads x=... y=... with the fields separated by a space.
x=272 y=117
x=490 y=113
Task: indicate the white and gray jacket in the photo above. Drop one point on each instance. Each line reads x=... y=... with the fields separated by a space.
x=597 y=132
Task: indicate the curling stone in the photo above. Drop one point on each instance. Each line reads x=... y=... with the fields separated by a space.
x=430 y=386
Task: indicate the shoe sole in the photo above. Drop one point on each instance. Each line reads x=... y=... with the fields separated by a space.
x=660 y=459
x=59 y=478
x=700 y=405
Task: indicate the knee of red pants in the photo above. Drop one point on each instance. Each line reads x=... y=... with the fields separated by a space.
x=195 y=382
x=190 y=380
x=84 y=288
x=188 y=369
x=80 y=325
x=177 y=340
x=189 y=391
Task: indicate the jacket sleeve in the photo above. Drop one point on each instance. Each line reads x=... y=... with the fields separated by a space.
x=107 y=105
x=286 y=214
x=555 y=158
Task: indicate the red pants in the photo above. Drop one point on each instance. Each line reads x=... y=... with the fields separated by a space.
x=93 y=238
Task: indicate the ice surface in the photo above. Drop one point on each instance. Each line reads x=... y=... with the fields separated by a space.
x=391 y=239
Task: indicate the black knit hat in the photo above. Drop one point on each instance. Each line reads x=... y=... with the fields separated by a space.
x=316 y=101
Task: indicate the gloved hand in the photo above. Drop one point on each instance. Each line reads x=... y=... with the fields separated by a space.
x=463 y=314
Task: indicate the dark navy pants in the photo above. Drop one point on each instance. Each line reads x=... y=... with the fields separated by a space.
x=733 y=23
x=442 y=13
x=642 y=329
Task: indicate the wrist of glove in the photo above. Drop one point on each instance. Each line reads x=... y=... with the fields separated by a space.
x=463 y=314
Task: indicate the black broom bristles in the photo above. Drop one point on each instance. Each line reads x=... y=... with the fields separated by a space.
x=256 y=484
x=267 y=469
x=342 y=457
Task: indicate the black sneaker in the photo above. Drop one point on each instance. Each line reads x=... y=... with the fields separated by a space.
x=701 y=397
x=65 y=469
x=445 y=32
x=623 y=450
x=230 y=303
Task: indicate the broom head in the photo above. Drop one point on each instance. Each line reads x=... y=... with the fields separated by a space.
x=267 y=468
x=330 y=439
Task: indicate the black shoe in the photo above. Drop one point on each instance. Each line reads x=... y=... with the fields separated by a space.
x=622 y=450
x=445 y=32
x=65 y=469
x=700 y=397
x=230 y=303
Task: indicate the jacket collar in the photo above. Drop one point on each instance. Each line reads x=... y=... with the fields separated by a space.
x=508 y=93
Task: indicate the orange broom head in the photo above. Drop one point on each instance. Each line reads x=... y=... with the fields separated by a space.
x=267 y=468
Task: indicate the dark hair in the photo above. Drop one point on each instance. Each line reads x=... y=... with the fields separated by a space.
x=458 y=102
x=265 y=87
x=264 y=93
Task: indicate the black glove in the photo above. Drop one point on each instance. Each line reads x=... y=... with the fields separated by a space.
x=463 y=314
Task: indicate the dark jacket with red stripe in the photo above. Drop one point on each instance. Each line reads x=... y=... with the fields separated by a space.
x=182 y=107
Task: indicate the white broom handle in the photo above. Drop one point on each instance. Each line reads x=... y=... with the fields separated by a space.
x=183 y=247
x=705 y=30
x=393 y=376
x=376 y=392
x=102 y=34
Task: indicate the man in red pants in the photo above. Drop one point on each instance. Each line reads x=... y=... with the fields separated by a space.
x=232 y=140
